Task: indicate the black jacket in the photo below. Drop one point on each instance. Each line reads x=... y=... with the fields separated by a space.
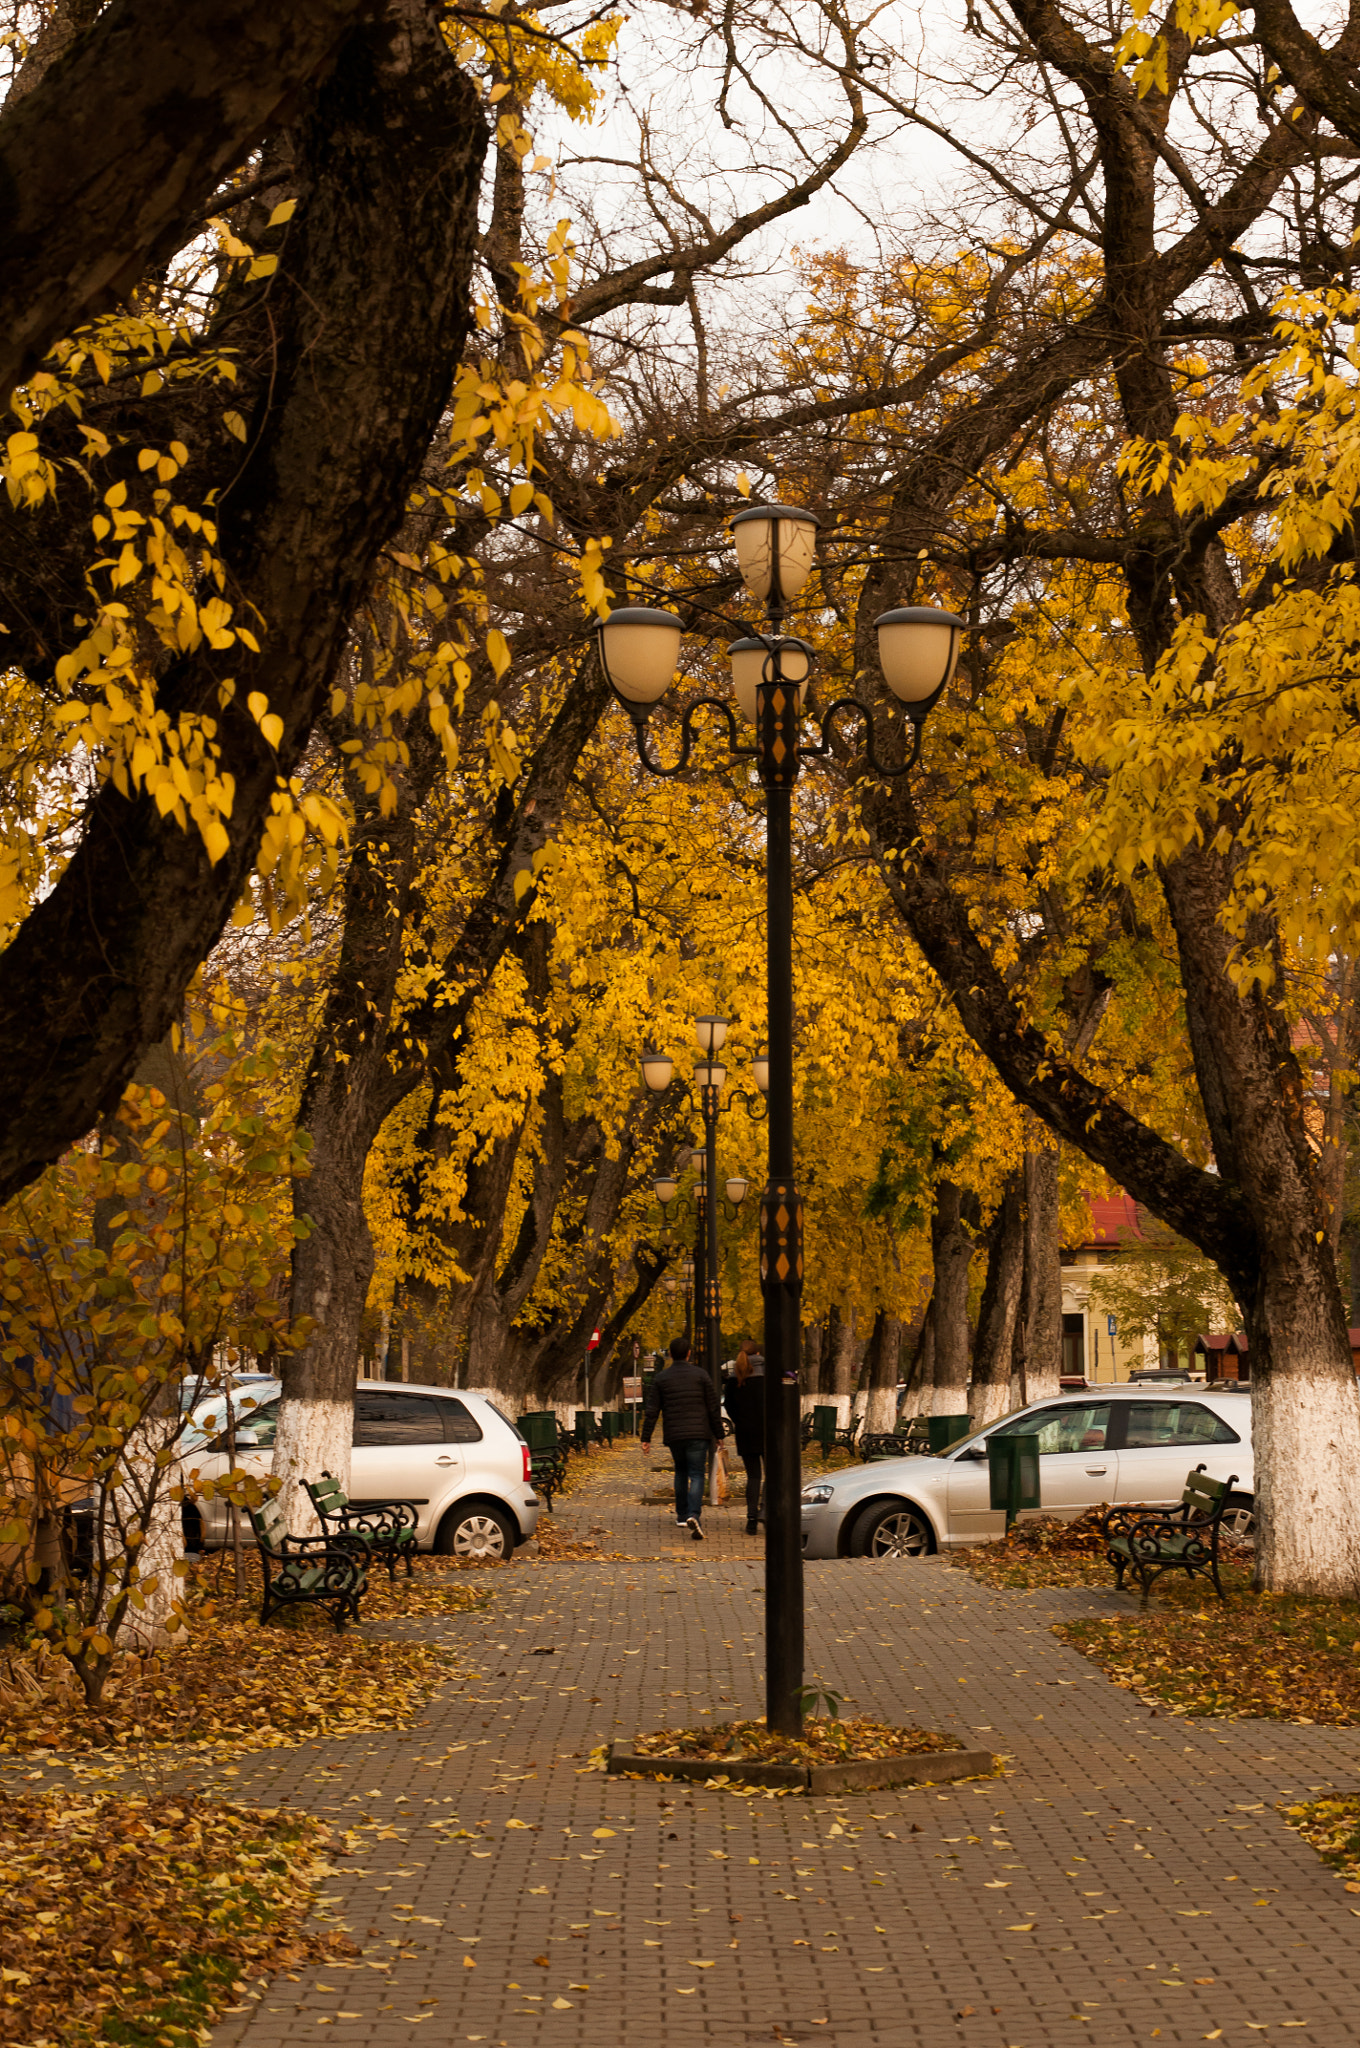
x=744 y=1401
x=687 y=1402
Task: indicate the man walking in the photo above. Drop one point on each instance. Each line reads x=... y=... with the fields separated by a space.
x=687 y=1401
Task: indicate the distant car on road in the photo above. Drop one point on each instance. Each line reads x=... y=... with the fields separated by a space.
x=456 y=1457
x=1124 y=1443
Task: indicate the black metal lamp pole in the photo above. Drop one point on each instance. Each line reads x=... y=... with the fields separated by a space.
x=639 y=651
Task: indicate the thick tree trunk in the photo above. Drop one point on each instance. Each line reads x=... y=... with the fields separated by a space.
x=883 y=1362
x=108 y=161
x=840 y=1364
x=951 y=1243
x=366 y=328
x=990 y=1395
x=1043 y=1275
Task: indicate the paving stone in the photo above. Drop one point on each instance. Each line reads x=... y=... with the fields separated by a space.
x=1124 y=1855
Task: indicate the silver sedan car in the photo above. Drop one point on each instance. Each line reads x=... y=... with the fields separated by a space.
x=1124 y=1443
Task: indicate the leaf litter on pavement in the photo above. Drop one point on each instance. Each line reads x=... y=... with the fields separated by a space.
x=140 y=1920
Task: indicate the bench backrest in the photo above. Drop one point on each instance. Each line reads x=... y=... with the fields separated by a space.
x=327 y=1495
x=269 y=1526
x=1202 y=1494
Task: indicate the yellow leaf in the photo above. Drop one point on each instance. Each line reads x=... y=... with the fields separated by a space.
x=233 y=423
x=282 y=212
x=272 y=728
x=602 y=1834
x=498 y=653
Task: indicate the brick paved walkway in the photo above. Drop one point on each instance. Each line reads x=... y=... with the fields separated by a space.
x=1128 y=1881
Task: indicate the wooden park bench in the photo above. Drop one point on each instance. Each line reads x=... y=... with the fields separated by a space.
x=1150 y=1541
x=316 y=1571
x=910 y=1435
x=385 y=1528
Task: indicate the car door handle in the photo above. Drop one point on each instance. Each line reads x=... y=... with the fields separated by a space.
x=1095 y=1470
x=446 y=1461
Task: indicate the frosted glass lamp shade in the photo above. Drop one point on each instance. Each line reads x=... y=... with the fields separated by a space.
x=639 y=652
x=709 y=1074
x=665 y=1187
x=736 y=1190
x=750 y=658
x=917 y=649
x=710 y=1033
x=657 y=1068
x=760 y=1072
x=776 y=547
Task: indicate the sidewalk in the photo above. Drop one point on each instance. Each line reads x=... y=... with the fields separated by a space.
x=1129 y=1880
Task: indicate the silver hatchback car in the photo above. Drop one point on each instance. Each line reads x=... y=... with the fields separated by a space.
x=1124 y=1443
x=456 y=1457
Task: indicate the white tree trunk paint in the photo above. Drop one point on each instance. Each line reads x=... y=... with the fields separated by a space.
x=945 y=1401
x=1306 y=1443
x=988 y=1404
x=314 y=1437
x=880 y=1411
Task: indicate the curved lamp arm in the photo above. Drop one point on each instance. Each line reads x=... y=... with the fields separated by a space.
x=638 y=714
x=851 y=706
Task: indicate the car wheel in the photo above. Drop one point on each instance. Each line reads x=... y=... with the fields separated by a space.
x=478 y=1532
x=1239 y=1518
x=891 y=1529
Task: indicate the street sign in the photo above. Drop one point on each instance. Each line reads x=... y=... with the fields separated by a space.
x=632 y=1387
x=594 y=1340
x=1111 y=1325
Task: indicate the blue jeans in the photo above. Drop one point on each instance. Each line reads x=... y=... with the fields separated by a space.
x=691 y=1462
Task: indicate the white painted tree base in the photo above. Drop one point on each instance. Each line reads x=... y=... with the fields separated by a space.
x=313 y=1437
x=1306 y=1442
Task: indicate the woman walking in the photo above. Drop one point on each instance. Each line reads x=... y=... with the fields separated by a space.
x=744 y=1400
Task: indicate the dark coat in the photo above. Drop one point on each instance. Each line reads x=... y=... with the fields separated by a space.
x=744 y=1401
x=687 y=1402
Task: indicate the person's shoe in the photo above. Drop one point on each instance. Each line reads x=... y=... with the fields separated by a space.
x=694 y=1528
x=753 y=1528
x=679 y=1524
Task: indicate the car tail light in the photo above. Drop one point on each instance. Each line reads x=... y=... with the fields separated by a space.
x=528 y=1464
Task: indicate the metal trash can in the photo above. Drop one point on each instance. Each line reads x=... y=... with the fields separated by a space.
x=539 y=1429
x=944 y=1430
x=1013 y=1470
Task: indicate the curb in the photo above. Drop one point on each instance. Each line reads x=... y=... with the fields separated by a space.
x=938 y=1767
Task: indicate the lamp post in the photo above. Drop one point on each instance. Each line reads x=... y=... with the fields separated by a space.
x=710 y=1078
x=639 y=649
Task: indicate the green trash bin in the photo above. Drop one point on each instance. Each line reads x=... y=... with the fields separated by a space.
x=539 y=1430
x=824 y=1429
x=1013 y=1472
x=944 y=1430
x=585 y=1428
x=609 y=1423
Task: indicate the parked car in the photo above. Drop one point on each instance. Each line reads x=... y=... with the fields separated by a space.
x=456 y=1457
x=1123 y=1444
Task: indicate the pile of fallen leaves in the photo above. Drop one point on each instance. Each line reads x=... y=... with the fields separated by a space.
x=234 y=1684
x=557 y=1544
x=1045 y=1552
x=822 y=1742
x=139 y=1920
x=1271 y=1654
x=1333 y=1828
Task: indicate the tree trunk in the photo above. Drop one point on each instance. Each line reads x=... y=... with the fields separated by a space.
x=1043 y=1275
x=951 y=1243
x=840 y=1365
x=990 y=1396
x=883 y=1361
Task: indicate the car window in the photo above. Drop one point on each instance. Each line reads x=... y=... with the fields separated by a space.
x=460 y=1424
x=1084 y=1426
x=381 y=1418
x=257 y=1428
x=1153 y=1424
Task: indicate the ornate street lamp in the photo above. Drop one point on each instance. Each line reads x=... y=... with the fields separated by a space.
x=639 y=650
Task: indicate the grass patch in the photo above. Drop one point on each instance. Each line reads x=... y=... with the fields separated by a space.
x=139 y=1920
x=823 y=1742
x=1274 y=1655
x=235 y=1685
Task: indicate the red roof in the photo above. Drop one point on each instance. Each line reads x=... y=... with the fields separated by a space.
x=1114 y=1218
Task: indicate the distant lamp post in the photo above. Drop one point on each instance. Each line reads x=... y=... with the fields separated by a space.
x=710 y=1079
x=639 y=649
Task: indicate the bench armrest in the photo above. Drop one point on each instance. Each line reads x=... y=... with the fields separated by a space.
x=379 y=1516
